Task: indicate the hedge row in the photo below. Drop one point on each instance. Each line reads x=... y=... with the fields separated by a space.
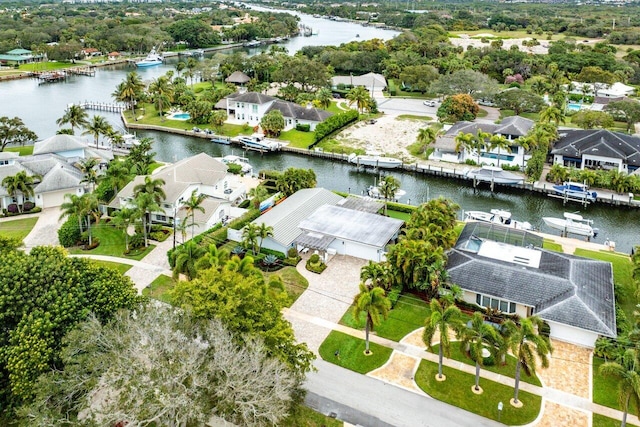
x=334 y=123
x=240 y=222
x=399 y=207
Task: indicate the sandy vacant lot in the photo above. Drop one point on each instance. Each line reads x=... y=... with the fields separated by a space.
x=388 y=135
x=465 y=41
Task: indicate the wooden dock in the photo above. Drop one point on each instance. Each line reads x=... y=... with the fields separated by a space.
x=110 y=107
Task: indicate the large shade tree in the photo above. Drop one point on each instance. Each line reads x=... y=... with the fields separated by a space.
x=14 y=131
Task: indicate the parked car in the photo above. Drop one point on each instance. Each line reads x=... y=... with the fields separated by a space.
x=486 y=103
x=429 y=103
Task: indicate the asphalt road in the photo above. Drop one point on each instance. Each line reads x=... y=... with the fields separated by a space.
x=369 y=402
x=405 y=106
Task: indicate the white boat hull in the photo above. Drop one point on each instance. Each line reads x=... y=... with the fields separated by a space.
x=494 y=218
x=375 y=161
x=377 y=194
x=568 y=226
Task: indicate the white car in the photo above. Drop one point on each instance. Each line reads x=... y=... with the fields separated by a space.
x=429 y=103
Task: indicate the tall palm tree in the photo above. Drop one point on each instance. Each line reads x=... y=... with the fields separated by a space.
x=185 y=259
x=97 y=126
x=191 y=67
x=193 y=204
x=475 y=338
x=149 y=195
x=87 y=167
x=373 y=302
x=258 y=194
x=468 y=142
x=146 y=204
x=264 y=231
x=441 y=317
x=526 y=344
x=388 y=189
x=90 y=208
x=74 y=207
x=359 y=96
x=480 y=142
x=123 y=219
x=161 y=93
x=118 y=175
x=75 y=116
x=130 y=90
x=552 y=114
x=20 y=184
x=180 y=66
x=324 y=97
x=426 y=136
x=250 y=237
x=627 y=372
x=501 y=143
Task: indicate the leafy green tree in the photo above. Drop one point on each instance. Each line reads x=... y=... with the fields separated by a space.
x=475 y=338
x=388 y=189
x=293 y=180
x=75 y=116
x=324 y=97
x=520 y=101
x=528 y=346
x=195 y=32
x=588 y=119
x=118 y=174
x=97 y=126
x=217 y=119
x=458 y=107
x=359 y=96
x=20 y=184
x=67 y=290
x=300 y=70
x=272 y=123
x=161 y=93
x=140 y=157
x=373 y=303
x=419 y=77
x=193 y=204
x=14 y=131
x=629 y=110
x=435 y=222
x=250 y=237
x=441 y=317
x=467 y=82
x=627 y=372
x=148 y=197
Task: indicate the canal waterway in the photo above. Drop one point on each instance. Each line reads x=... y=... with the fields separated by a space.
x=41 y=105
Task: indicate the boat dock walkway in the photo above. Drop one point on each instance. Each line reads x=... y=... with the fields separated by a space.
x=111 y=107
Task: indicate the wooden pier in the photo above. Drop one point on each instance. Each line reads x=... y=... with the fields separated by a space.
x=83 y=71
x=49 y=76
x=110 y=107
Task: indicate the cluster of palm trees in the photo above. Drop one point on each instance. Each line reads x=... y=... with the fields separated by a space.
x=20 y=187
x=361 y=97
x=97 y=126
x=522 y=339
x=482 y=141
x=253 y=236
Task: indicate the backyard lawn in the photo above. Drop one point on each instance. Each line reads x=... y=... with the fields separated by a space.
x=456 y=390
x=23 y=150
x=399 y=215
x=602 y=421
x=298 y=139
x=408 y=315
x=111 y=244
x=160 y=289
x=294 y=283
x=552 y=246
x=18 y=228
x=348 y=352
x=605 y=389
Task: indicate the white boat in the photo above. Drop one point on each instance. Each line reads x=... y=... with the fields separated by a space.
x=152 y=59
x=498 y=216
x=374 y=160
x=575 y=190
x=259 y=142
x=129 y=140
x=494 y=175
x=376 y=192
x=243 y=162
x=572 y=223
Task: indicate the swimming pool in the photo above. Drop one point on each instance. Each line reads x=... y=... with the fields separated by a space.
x=179 y=116
x=573 y=106
x=494 y=156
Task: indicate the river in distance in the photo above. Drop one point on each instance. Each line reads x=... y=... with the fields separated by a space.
x=40 y=106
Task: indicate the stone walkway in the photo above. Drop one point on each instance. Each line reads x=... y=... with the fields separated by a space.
x=45 y=231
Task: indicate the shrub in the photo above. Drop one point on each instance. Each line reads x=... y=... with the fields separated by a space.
x=314 y=259
x=136 y=241
x=303 y=127
x=394 y=294
x=318 y=267
x=104 y=191
x=245 y=204
x=159 y=236
x=234 y=168
x=470 y=162
x=510 y=167
x=69 y=232
x=12 y=208
x=292 y=261
x=292 y=253
x=239 y=223
x=334 y=123
x=28 y=206
x=399 y=207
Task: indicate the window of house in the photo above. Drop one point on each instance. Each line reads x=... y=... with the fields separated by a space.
x=496 y=303
x=161 y=218
x=254 y=108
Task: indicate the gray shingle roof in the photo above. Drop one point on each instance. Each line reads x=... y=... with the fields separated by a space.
x=253 y=98
x=514 y=125
x=59 y=178
x=602 y=142
x=59 y=143
x=285 y=217
x=356 y=226
x=295 y=111
x=564 y=288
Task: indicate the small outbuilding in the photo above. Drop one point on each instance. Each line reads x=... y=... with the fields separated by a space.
x=238 y=78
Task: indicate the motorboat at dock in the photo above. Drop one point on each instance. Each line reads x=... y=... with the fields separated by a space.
x=575 y=191
x=258 y=142
x=152 y=59
x=243 y=162
x=494 y=175
x=376 y=192
x=498 y=216
x=374 y=160
x=572 y=224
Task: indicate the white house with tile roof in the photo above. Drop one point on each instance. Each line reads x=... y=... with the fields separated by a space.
x=508 y=270
x=72 y=148
x=201 y=173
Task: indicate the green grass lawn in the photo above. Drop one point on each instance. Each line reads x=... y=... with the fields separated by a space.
x=508 y=370
x=297 y=138
x=622 y=276
x=456 y=390
x=294 y=283
x=333 y=108
x=332 y=145
x=302 y=416
x=602 y=421
x=46 y=66
x=399 y=215
x=408 y=315
x=552 y=246
x=160 y=289
x=122 y=268
x=18 y=228
x=351 y=354
x=414 y=117
x=111 y=243
x=605 y=389
x=24 y=150
x=482 y=113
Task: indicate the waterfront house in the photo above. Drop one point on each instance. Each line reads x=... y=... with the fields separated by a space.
x=509 y=271
x=250 y=107
x=604 y=90
x=113 y=56
x=316 y=219
x=19 y=56
x=73 y=148
x=597 y=149
x=370 y=81
x=201 y=173
x=511 y=128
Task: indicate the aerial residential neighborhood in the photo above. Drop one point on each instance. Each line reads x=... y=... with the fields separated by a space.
x=373 y=214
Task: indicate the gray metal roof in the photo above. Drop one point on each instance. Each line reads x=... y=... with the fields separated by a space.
x=364 y=204
x=564 y=288
x=314 y=241
x=363 y=227
x=285 y=217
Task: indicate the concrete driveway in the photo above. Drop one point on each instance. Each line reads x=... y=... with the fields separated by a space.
x=45 y=232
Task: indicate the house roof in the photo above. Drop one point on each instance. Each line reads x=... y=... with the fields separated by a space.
x=253 y=98
x=368 y=80
x=210 y=206
x=514 y=125
x=19 y=52
x=562 y=288
x=601 y=142
x=59 y=178
x=285 y=217
x=59 y=143
x=57 y=174
x=357 y=226
x=296 y=111
x=198 y=169
x=237 y=77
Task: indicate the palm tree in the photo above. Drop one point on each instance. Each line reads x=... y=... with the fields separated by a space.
x=426 y=136
x=250 y=237
x=264 y=231
x=526 y=343
x=74 y=207
x=359 y=96
x=191 y=66
x=627 y=372
x=161 y=94
x=214 y=257
x=90 y=209
x=373 y=302
x=499 y=142
x=388 y=189
x=552 y=114
x=123 y=219
x=146 y=204
x=87 y=167
x=96 y=127
x=377 y=274
x=258 y=194
x=118 y=175
x=475 y=338
x=470 y=142
x=22 y=184
x=130 y=90
x=75 y=116
x=480 y=141
x=242 y=266
x=180 y=66
x=185 y=258
x=441 y=317
x=149 y=195
x=324 y=97
x=193 y=204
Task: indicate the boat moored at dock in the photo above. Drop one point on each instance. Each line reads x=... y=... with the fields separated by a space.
x=498 y=216
x=572 y=224
x=374 y=160
x=575 y=191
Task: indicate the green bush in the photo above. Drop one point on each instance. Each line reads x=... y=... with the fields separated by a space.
x=303 y=127
x=318 y=267
x=394 y=294
x=104 y=191
x=277 y=254
x=159 y=236
x=136 y=241
x=245 y=204
x=470 y=162
x=292 y=261
x=239 y=223
x=292 y=253
x=234 y=168
x=515 y=168
x=69 y=232
x=314 y=259
x=334 y=123
x=399 y=207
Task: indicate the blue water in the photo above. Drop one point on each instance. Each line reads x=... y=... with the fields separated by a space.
x=182 y=116
x=495 y=156
x=573 y=106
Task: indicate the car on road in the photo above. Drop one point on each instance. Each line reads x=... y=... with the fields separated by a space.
x=429 y=103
